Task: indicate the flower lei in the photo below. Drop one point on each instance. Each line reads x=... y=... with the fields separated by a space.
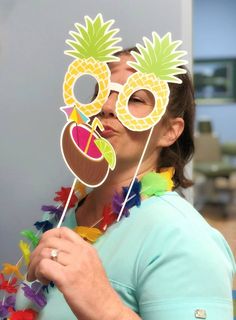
x=12 y=276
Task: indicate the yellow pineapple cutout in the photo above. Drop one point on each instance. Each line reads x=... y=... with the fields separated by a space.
x=88 y=155
x=157 y=63
x=93 y=47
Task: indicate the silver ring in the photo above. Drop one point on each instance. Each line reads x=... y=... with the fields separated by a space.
x=54 y=254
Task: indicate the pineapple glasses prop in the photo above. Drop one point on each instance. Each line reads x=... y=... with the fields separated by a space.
x=86 y=153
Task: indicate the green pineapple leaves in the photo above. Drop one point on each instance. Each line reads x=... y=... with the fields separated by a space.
x=94 y=40
x=160 y=58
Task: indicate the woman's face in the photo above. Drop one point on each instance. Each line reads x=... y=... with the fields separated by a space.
x=128 y=144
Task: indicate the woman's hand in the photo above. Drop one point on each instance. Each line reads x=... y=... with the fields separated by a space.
x=78 y=273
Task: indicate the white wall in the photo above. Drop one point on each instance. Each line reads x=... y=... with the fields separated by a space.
x=32 y=67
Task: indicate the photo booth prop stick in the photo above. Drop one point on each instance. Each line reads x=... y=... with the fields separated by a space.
x=67 y=204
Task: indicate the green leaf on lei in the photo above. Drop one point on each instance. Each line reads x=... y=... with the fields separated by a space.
x=154 y=184
x=30 y=235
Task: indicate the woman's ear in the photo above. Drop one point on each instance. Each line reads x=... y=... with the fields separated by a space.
x=171 y=130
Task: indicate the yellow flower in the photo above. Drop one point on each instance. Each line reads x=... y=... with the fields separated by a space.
x=88 y=233
x=12 y=269
x=80 y=187
x=168 y=174
x=25 y=249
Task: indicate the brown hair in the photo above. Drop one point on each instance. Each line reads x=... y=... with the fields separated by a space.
x=181 y=104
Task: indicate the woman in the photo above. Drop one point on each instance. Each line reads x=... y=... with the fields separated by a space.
x=163 y=261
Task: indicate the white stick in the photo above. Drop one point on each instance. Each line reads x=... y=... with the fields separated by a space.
x=136 y=172
x=67 y=204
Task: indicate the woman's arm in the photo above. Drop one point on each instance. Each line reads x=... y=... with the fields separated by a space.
x=78 y=273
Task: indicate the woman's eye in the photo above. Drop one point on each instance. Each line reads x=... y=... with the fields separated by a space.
x=136 y=100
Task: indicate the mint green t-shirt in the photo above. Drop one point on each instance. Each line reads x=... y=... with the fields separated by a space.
x=165 y=261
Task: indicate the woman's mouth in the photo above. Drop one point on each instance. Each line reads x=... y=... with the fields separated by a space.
x=107 y=132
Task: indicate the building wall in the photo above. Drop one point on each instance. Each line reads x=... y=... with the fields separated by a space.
x=214 y=29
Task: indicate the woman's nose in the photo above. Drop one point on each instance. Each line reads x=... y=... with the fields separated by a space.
x=108 y=109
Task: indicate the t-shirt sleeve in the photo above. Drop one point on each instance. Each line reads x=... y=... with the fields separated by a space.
x=184 y=275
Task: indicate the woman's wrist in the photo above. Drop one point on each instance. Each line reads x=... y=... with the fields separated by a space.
x=110 y=308
x=123 y=313
x=117 y=310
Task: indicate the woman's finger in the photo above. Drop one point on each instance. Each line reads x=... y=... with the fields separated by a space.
x=62 y=233
x=44 y=252
x=49 y=270
x=62 y=258
x=52 y=243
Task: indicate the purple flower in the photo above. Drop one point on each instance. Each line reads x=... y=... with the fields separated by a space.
x=53 y=210
x=9 y=302
x=35 y=293
x=117 y=203
x=3 y=310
